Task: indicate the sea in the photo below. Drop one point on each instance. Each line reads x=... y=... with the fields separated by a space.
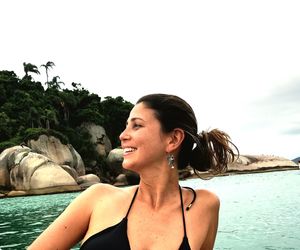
x=258 y=211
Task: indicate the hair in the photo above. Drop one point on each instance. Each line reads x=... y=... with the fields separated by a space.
x=207 y=151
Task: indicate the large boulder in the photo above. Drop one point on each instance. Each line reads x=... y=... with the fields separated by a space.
x=48 y=167
x=51 y=175
x=99 y=138
x=59 y=153
x=88 y=180
x=34 y=172
x=6 y=163
x=22 y=171
x=114 y=161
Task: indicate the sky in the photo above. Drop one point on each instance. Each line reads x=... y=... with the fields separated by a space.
x=236 y=62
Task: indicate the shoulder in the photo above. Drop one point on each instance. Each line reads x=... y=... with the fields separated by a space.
x=103 y=191
x=208 y=200
x=100 y=198
x=208 y=214
x=101 y=188
x=107 y=189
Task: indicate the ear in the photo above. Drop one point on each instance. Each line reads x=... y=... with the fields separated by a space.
x=175 y=139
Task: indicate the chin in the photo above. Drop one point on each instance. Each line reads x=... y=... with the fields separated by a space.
x=129 y=166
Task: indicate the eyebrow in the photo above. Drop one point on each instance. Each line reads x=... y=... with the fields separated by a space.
x=134 y=119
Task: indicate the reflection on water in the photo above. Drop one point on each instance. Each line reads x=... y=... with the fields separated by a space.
x=258 y=211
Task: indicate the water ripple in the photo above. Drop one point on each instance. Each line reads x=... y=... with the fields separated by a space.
x=12 y=246
x=9 y=232
x=258 y=211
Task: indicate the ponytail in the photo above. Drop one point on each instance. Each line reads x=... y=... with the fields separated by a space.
x=212 y=152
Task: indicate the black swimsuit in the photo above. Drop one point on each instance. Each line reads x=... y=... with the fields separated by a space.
x=115 y=237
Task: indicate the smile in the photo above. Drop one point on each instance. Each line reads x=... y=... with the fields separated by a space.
x=129 y=150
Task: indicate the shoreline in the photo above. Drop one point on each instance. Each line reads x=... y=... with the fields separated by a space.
x=239 y=172
x=5 y=193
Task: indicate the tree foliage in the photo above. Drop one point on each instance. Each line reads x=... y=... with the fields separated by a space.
x=48 y=66
x=28 y=110
x=117 y=111
x=30 y=68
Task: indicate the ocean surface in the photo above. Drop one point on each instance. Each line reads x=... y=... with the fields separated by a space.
x=258 y=211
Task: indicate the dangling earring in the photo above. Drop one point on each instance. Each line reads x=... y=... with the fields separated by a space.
x=171 y=161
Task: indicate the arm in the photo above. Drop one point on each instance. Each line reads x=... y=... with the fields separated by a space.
x=70 y=227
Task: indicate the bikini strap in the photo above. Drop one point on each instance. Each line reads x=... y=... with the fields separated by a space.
x=182 y=210
x=132 y=201
x=188 y=207
x=194 y=198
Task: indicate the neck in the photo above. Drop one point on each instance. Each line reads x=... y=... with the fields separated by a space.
x=159 y=187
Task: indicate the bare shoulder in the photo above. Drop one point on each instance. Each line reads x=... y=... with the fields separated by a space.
x=102 y=191
x=208 y=199
x=203 y=221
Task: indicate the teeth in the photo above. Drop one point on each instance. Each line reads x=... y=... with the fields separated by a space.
x=127 y=150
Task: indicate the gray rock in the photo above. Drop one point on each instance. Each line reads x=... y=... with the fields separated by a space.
x=115 y=159
x=49 y=166
x=88 y=180
x=50 y=175
x=20 y=174
x=78 y=164
x=70 y=171
x=52 y=148
x=257 y=163
x=99 y=138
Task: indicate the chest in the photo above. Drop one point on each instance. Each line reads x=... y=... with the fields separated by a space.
x=155 y=231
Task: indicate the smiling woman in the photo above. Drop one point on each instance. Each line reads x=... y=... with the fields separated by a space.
x=160 y=137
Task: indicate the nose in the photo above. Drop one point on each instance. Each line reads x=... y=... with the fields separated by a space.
x=124 y=135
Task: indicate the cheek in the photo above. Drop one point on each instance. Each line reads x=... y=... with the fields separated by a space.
x=154 y=150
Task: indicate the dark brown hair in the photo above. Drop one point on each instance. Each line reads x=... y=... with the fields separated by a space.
x=210 y=150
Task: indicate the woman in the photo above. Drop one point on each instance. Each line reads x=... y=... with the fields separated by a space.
x=160 y=137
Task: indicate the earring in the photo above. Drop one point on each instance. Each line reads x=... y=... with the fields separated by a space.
x=171 y=161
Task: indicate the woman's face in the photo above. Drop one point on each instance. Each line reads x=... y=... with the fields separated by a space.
x=143 y=141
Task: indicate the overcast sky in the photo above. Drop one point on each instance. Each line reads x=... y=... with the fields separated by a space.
x=236 y=62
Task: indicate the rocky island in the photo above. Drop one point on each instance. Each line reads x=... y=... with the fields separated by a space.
x=46 y=166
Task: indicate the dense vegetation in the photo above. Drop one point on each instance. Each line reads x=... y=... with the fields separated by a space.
x=28 y=109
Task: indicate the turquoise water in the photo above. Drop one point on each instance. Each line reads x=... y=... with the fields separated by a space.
x=258 y=211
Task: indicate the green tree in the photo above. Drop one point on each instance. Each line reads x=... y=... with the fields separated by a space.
x=55 y=83
x=47 y=66
x=8 y=84
x=88 y=108
x=26 y=108
x=30 y=68
x=115 y=111
x=49 y=116
x=5 y=128
x=67 y=104
x=35 y=117
x=76 y=85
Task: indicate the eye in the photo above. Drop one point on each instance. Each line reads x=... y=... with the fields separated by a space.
x=136 y=126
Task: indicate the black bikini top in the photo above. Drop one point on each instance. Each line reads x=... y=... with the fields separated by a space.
x=115 y=237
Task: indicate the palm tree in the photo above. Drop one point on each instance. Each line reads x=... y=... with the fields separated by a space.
x=55 y=83
x=47 y=66
x=28 y=67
